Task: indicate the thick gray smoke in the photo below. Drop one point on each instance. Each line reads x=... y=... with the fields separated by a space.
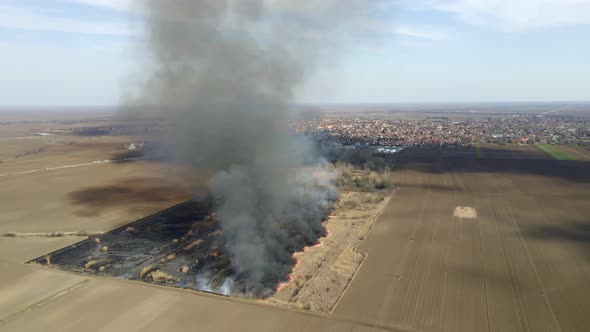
x=225 y=72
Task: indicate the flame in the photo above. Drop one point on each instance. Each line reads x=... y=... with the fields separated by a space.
x=297 y=261
x=290 y=275
x=319 y=244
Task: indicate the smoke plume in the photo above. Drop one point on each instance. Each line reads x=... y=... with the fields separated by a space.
x=224 y=73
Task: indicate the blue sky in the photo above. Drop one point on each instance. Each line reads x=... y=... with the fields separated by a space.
x=81 y=52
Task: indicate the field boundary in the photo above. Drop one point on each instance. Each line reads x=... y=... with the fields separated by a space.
x=364 y=254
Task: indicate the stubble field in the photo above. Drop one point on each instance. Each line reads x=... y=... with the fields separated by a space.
x=522 y=264
x=489 y=239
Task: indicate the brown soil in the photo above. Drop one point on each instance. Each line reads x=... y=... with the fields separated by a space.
x=523 y=266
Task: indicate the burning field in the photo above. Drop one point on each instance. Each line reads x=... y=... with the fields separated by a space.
x=323 y=272
x=185 y=246
x=223 y=76
x=180 y=247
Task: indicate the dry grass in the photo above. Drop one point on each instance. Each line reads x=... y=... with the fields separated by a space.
x=325 y=271
x=168 y=258
x=146 y=271
x=159 y=276
x=362 y=180
x=90 y=264
x=94 y=263
x=361 y=200
x=192 y=245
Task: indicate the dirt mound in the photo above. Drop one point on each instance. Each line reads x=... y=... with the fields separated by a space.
x=465 y=212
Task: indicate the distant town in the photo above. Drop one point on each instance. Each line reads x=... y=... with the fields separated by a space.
x=382 y=130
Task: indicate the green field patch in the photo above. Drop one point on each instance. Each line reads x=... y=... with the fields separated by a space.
x=556 y=152
x=478 y=152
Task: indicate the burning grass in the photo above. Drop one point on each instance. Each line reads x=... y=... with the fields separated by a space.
x=186 y=247
x=289 y=278
x=324 y=270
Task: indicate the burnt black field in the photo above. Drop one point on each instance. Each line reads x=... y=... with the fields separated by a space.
x=185 y=242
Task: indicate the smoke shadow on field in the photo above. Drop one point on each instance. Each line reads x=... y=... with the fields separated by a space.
x=437 y=187
x=128 y=155
x=134 y=193
x=577 y=234
x=530 y=161
x=494 y=278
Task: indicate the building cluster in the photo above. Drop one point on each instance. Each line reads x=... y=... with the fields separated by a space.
x=442 y=131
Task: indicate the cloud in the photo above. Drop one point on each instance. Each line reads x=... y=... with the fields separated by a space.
x=422 y=32
x=119 y=5
x=502 y=14
x=14 y=16
x=44 y=17
x=418 y=33
x=514 y=14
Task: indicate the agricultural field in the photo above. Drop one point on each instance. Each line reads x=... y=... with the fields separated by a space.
x=557 y=152
x=521 y=262
x=489 y=238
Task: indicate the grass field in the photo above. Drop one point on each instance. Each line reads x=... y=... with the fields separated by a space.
x=478 y=152
x=556 y=152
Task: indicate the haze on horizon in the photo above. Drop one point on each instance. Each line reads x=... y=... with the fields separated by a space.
x=84 y=52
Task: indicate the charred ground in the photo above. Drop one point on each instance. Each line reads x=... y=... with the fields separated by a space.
x=181 y=246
